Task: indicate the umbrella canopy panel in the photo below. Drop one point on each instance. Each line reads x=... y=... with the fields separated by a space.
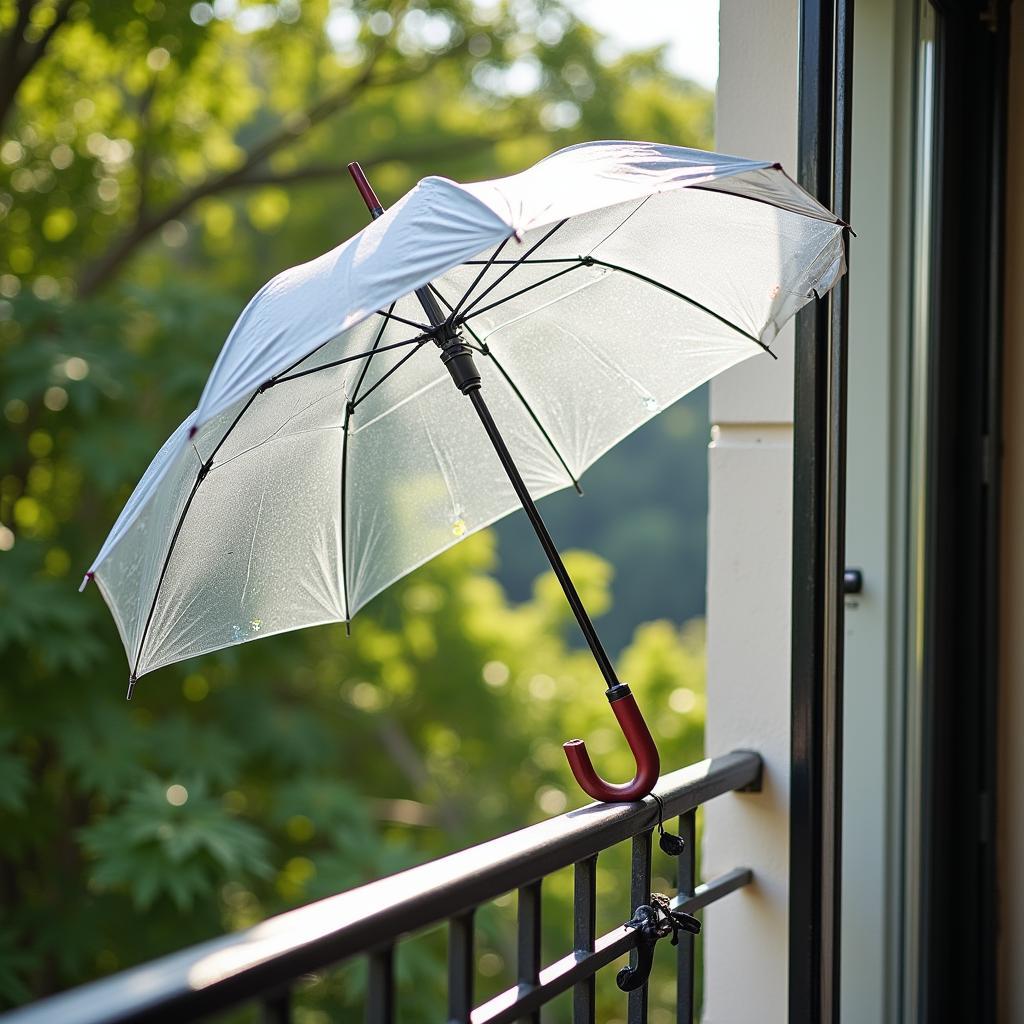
x=303 y=496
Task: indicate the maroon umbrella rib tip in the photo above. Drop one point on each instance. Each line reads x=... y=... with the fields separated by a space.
x=85 y=581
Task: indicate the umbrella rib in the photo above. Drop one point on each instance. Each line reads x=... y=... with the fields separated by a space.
x=508 y=263
x=349 y=407
x=618 y=227
x=344 y=481
x=391 y=315
x=501 y=277
x=478 y=278
x=581 y=260
x=522 y=291
x=204 y=470
x=373 y=348
x=366 y=394
x=303 y=358
x=484 y=349
x=440 y=298
x=160 y=581
x=686 y=298
x=348 y=359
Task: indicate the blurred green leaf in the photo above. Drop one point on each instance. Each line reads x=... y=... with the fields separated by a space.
x=172 y=841
x=14 y=775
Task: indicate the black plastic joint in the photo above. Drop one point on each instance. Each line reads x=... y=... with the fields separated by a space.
x=459 y=360
x=617 y=692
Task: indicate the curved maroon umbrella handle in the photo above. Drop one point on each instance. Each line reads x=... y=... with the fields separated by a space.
x=634 y=728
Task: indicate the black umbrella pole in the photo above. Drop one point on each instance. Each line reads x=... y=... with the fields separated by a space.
x=568 y=587
x=458 y=359
x=623 y=703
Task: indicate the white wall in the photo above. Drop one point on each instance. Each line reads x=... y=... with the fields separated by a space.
x=1011 y=712
x=748 y=602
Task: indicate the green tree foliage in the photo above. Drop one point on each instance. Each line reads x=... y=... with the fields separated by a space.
x=158 y=161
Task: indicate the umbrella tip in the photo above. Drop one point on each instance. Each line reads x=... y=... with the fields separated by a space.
x=131 y=686
x=365 y=189
x=348 y=627
x=85 y=581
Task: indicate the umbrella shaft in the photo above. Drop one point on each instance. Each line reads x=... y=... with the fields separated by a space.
x=430 y=306
x=471 y=388
x=569 y=588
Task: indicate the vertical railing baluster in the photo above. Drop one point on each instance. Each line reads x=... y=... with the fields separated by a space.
x=276 y=1008
x=380 y=986
x=639 y=892
x=529 y=921
x=584 y=911
x=461 y=968
x=685 y=951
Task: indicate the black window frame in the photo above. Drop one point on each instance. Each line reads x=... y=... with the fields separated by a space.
x=957 y=882
x=956 y=876
x=819 y=504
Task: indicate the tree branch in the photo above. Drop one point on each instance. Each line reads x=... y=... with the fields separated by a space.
x=11 y=43
x=406 y=757
x=332 y=171
x=101 y=270
x=20 y=58
x=143 y=151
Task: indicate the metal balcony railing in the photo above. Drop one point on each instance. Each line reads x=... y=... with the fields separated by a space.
x=261 y=964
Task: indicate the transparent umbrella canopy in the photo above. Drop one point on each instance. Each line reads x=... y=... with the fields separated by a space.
x=474 y=348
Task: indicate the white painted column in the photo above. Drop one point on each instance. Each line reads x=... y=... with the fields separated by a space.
x=749 y=545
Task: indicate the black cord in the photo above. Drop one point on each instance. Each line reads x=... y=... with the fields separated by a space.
x=670 y=843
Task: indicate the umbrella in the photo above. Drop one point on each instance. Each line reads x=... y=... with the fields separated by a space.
x=472 y=349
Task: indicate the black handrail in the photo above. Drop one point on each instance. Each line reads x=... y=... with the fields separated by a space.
x=262 y=962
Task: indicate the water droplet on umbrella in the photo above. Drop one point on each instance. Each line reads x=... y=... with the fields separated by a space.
x=241 y=631
x=459 y=527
